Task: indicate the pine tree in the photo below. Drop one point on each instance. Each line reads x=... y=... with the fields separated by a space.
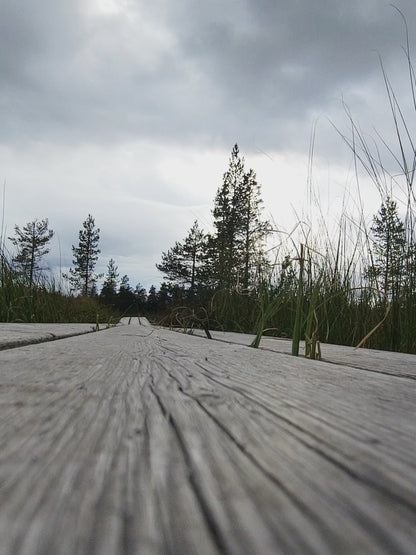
x=109 y=289
x=31 y=243
x=183 y=263
x=82 y=277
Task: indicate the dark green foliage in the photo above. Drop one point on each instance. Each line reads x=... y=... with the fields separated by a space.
x=126 y=299
x=252 y=231
x=108 y=293
x=140 y=295
x=227 y=211
x=391 y=267
x=170 y=296
x=82 y=277
x=31 y=242
x=183 y=264
x=233 y=257
x=235 y=251
x=152 y=300
x=388 y=238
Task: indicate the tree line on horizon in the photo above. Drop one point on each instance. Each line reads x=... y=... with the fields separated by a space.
x=233 y=257
x=31 y=243
x=226 y=280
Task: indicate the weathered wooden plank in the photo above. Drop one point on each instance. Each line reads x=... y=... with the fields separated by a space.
x=142 y=440
x=17 y=335
x=84 y=433
x=314 y=424
x=398 y=364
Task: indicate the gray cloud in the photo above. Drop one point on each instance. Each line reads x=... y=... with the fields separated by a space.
x=191 y=70
x=279 y=62
x=94 y=95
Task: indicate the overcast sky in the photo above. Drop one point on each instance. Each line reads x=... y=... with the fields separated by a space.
x=129 y=109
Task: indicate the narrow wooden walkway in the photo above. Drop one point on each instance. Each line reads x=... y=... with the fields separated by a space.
x=18 y=335
x=137 y=440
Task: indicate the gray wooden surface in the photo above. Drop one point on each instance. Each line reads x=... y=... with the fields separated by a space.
x=17 y=335
x=384 y=362
x=137 y=440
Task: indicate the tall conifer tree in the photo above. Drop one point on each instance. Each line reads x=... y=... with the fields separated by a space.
x=183 y=263
x=388 y=268
x=237 y=244
x=31 y=243
x=109 y=289
x=82 y=277
x=388 y=238
x=126 y=298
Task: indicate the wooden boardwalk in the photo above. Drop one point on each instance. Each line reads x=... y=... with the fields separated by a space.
x=137 y=440
x=18 y=335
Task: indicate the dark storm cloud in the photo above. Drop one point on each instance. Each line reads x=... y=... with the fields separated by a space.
x=277 y=63
x=184 y=71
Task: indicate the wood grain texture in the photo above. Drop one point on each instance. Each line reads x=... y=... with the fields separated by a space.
x=18 y=335
x=385 y=362
x=138 y=440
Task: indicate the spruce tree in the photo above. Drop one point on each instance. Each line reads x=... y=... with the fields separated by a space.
x=152 y=299
x=388 y=239
x=109 y=289
x=236 y=247
x=226 y=212
x=389 y=261
x=125 y=283
x=252 y=230
x=82 y=277
x=126 y=298
x=31 y=243
x=140 y=295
